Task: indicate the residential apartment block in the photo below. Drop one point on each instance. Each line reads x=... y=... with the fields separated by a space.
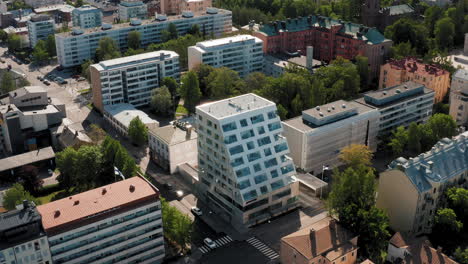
x=87 y=17
x=400 y=105
x=396 y=72
x=241 y=53
x=22 y=238
x=173 y=145
x=329 y=37
x=459 y=97
x=246 y=175
x=131 y=79
x=39 y=28
x=116 y=223
x=119 y=117
x=317 y=137
x=77 y=46
x=175 y=7
x=325 y=241
x=136 y=9
x=41 y=3
x=418 y=183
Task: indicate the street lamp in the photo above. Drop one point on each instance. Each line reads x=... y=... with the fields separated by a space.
x=324 y=168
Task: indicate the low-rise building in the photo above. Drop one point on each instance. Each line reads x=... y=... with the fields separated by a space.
x=131 y=79
x=459 y=97
x=119 y=117
x=87 y=17
x=134 y=9
x=317 y=137
x=22 y=238
x=12 y=167
x=39 y=28
x=276 y=65
x=396 y=72
x=173 y=145
x=40 y=3
x=175 y=7
x=325 y=241
x=241 y=53
x=119 y=222
x=400 y=105
x=414 y=250
x=420 y=182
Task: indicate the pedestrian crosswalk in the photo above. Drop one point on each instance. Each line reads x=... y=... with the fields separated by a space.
x=264 y=249
x=219 y=243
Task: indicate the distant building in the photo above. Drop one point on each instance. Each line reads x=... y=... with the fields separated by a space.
x=73 y=135
x=27 y=116
x=459 y=97
x=131 y=79
x=415 y=250
x=396 y=72
x=79 y=45
x=276 y=65
x=39 y=28
x=41 y=3
x=173 y=145
x=119 y=222
x=246 y=174
x=317 y=137
x=400 y=105
x=119 y=117
x=373 y=15
x=22 y=238
x=176 y=7
x=329 y=38
x=136 y=9
x=60 y=13
x=241 y=53
x=419 y=184
x=11 y=167
x=87 y=17
x=325 y=241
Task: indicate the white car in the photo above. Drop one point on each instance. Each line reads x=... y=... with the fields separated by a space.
x=197 y=211
x=50 y=172
x=209 y=243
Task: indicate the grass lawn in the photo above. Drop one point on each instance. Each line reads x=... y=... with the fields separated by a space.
x=181 y=110
x=84 y=91
x=90 y=106
x=47 y=198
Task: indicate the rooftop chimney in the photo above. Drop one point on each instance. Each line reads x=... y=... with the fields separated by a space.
x=132 y=188
x=188 y=132
x=25 y=204
x=310 y=57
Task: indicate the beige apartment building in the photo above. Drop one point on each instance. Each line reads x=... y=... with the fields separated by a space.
x=459 y=97
x=396 y=72
x=410 y=190
x=176 y=7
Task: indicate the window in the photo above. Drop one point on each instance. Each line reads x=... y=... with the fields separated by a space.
x=271 y=162
x=236 y=150
x=244 y=184
x=229 y=127
x=253 y=156
x=343 y=258
x=260 y=178
x=267 y=152
x=243 y=123
x=257 y=119
x=250 y=145
x=264 y=141
x=264 y=189
x=287 y=168
x=243 y=172
x=257 y=167
x=281 y=194
x=281 y=147
x=261 y=130
x=272 y=115
x=237 y=162
x=274 y=126
x=277 y=184
x=274 y=173
x=250 y=195
x=230 y=139
x=247 y=134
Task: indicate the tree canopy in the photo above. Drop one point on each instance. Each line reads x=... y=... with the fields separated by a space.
x=134 y=39
x=137 y=131
x=8 y=83
x=355 y=155
x=16 y=195
x=107 y=49
x=161 y=101
x=190 y=91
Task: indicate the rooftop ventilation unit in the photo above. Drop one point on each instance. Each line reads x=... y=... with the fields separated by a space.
x=77 y=31
x=135 y=22
x=343 y=105
x=397 y=91
x=160 y=17
x=187 y=14
x=106 y=26
x=211 y=10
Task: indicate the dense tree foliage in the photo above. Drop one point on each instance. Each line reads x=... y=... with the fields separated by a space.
x=179 y=45
x=85 y=69
x=7 y=83
x=161 y=101
x=14 y=42
x=461 y=255
x=40 y=53
x=178 y=227
x=190 y=91
x=171 y=84
x=138 y=132
x=355 y=155
x=16 y=195
x=107 y=49
x=134 y=39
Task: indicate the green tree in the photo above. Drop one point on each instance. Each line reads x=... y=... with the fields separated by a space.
x=79 y=3
x=40 y=52
x=431 y=15
x=89 y=166
x=296 y=105
x=414 y=138
x=403 y=50
x=107 y=49
x=50 y=46
x=14 y=42
x=137 y=131
x=362 y=65
x=441 y=126
x=203 y=71
x=134 y=40
x=255 y=81
x=398 y=141
x=66 y=161
x=461 y=255
x=161 y=101
x=190 y=91
x=341 y=79
x=170 y=33
x=129 y=169
x=178 y=226
x=85 y=69
x=446 y=222
x=458 y=201
x=194 y=30
x=171 y=84
x=16 y=195
x=355 y=155
x=444 y=33
x=282 y=112
x=3 y=35
x=406 y=30
x=223 y=82
x=8 y=83
x=179 y=45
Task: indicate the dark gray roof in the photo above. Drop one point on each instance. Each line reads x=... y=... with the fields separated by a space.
x=26 y=158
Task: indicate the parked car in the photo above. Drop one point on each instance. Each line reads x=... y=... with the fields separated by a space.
x=46 y=82
x=81 y=79
x=168 y=186
x=50 y=172
x=196 y=211
x=209 y=243
x=59 y=68
x=76 y=76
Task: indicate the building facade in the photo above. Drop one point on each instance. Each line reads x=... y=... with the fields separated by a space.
x=246 y=175
x=325 y=241
x=87 y=17
x=128 y=10
x=400 y=105
x=116 y=223
x=419 y=184
x=131 y=79
x=173 y=145
x=175 y=7
x=459 y=97
x=22 y=238
x=317 y=137
x=242 y=53
x=329 y=37
x=373 y=15
x=39 y=28
x=40 y=3
x=396 y=72
x=77 y=46
x=119 y=117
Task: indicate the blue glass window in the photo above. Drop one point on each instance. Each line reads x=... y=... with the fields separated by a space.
x=247 y=134
x=261 y=130
x=274 y=126
x=229 y=127
x=257 y=167
x=244 y=184
x=243 y=123
x=260 y=178
x=267 y=152
x=264 y=141
x=253 y=156
x=271 y=162
x=287 y=168
x=237 y=149
x=281 y=147
x=264 y=189
x=257 y=119
x=277 y=184
x=250 y=195
x=272 y=115
x=237 y=162
x=274 y=173
x=243 y=172
x=250 y=145
x=230 y=139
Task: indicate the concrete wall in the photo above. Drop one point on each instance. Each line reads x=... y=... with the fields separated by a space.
x=290 y=255
x=96 y=88
x=185 y=152
x=23 y=101
x=194 y=57
x=297 y=144
x=458 y=101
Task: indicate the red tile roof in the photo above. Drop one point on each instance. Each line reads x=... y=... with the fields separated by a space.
x=414 y=65
x=97 y=201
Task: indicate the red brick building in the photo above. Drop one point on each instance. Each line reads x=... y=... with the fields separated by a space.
x=329 y=37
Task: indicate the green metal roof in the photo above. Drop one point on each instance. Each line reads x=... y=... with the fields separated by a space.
x=400 y=9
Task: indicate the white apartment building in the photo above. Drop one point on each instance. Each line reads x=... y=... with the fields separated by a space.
x=128 y=10
x=246 y=175
x=317 y=137
x=131 y=79
x=74 y=47
x=242 y=53
x=87 y=17
x=40 y=27
x=116 y=223
x=459 y=97
x=400 y=105
x=40 y=3
x=119 y=117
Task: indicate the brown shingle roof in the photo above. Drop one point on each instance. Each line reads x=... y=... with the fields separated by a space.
x=398 y=240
